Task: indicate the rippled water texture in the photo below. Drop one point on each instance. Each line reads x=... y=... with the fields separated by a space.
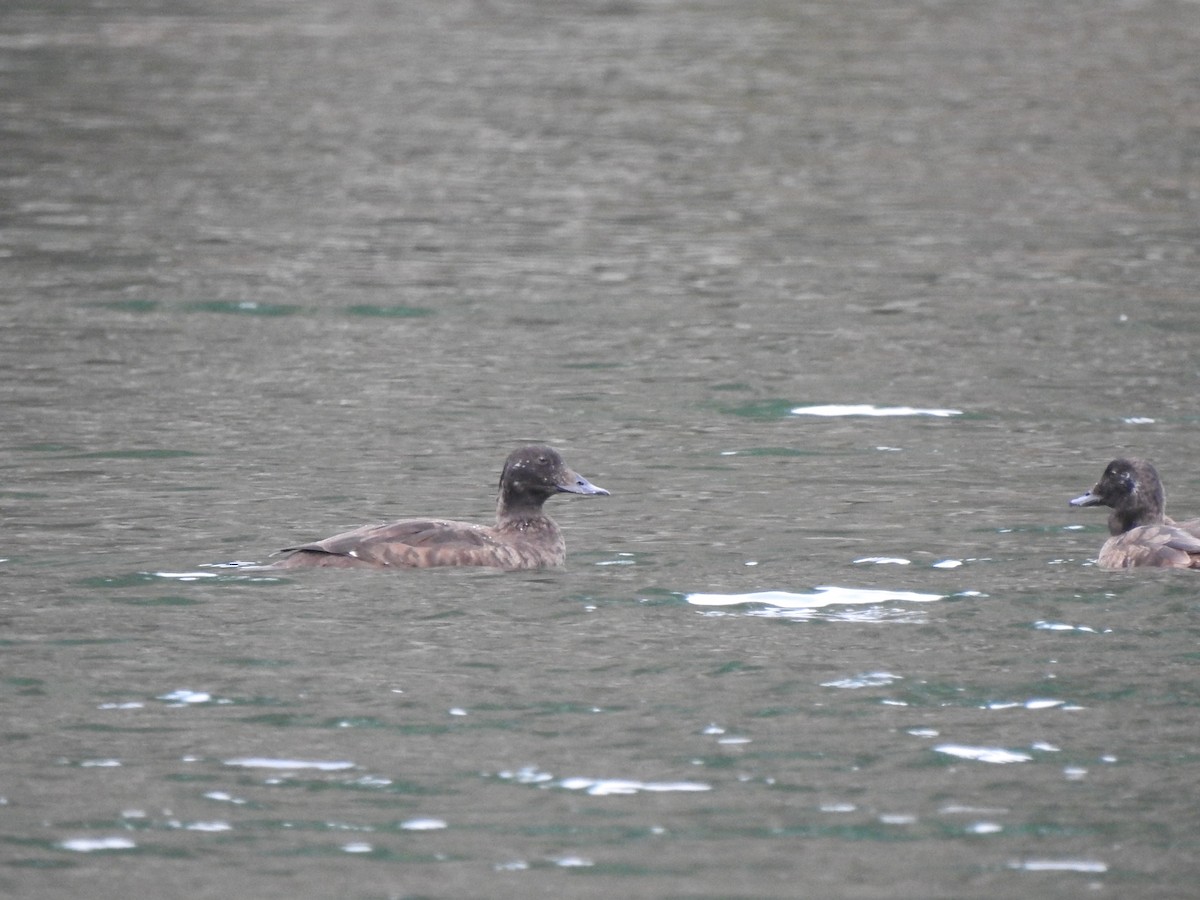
x=841 y=301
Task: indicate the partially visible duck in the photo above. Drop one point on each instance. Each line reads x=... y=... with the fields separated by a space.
x=1142 y=534
x=524 y=537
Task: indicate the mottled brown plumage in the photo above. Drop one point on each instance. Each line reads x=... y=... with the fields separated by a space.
x=1142 y=534
x=524 y=537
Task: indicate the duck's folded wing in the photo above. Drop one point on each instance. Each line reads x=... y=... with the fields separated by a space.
x=1191 y=526
x=1179 y=537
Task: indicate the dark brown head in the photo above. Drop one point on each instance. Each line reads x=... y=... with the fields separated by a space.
x=1133 y=489
x=534 y=474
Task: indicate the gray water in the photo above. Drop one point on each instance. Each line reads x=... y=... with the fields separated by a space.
x=271 y=270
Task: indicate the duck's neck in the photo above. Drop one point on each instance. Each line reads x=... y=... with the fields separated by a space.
x=1130 y=516
x=520 y=512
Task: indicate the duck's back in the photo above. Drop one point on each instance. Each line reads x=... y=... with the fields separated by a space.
x=426 y=543
x=1163 y=545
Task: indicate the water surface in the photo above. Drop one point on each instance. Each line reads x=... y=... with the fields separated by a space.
x=841 y=301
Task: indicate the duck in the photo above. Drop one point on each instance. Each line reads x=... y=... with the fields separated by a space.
x=524 y=537
x=1141 y=532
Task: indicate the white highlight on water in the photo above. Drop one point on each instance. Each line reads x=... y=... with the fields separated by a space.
x=183 y=697
x=996 y=755
x=88 y=845
x=599 y=787
x=225 y=797
x=1063 y=626
x=984 y=828
x=184 y=576
x=608 y=787
x=1091 y=866
x=517 y=865
x=527 y=775
x=1039 y=703
x=865 y=680
x=423 y=824
x=867 y=409
x=208 y=826
x=823 y=595
x=263 y=762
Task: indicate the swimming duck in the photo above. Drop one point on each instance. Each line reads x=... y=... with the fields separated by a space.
x=524 y=537
x=1142 y=534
